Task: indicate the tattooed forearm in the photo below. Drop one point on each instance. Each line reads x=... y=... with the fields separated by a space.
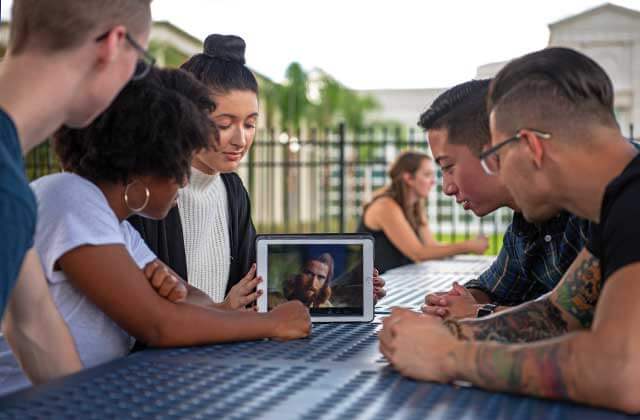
x=580 y=290
x=533 y=321
x=538 y=370
x=569 y=307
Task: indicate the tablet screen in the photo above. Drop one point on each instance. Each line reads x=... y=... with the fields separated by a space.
x=328 y=278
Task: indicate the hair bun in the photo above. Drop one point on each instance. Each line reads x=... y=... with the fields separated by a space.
x=225 y=47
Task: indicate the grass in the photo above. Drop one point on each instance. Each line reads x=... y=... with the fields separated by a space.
x=495 y=240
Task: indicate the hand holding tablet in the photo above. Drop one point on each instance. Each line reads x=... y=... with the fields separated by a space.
x=330 y=274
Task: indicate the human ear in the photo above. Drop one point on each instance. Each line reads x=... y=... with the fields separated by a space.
x=408 y=178
x=534 y=145
x=107 y=48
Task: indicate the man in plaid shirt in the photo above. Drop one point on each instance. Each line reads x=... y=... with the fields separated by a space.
x=533 y=257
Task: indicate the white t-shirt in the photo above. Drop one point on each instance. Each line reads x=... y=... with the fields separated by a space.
x=72 y=212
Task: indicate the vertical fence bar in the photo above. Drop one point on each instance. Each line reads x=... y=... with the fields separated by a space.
x=341 y=138
x=313 y=213
x=285 y=185
x=327 y=179
x=298 y=181
x=270 y=168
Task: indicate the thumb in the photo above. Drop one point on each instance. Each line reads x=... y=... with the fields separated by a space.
x=461 y=290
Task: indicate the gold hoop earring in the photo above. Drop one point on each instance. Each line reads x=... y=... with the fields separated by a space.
x=146 y=198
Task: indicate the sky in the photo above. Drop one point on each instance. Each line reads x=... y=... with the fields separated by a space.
x=372 y=44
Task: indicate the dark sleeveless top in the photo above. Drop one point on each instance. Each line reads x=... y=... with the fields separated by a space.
x=386 y=255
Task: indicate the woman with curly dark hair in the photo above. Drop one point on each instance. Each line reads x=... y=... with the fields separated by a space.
x=132 y=160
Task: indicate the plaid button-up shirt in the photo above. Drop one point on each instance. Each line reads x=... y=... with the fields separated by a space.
x=533 y=258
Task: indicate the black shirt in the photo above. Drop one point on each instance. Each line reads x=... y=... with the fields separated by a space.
x=165 y=237
x=386 y=255
x=614 y=241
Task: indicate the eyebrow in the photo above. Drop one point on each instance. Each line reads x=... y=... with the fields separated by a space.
x=255 y=114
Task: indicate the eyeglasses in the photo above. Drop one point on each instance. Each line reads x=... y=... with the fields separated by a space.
x=145 y=62
x=490 y=159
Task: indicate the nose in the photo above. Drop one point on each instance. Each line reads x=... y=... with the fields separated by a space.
x=448 y=186
x=240 y=137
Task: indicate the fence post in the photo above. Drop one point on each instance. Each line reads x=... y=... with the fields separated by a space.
x=342 y=135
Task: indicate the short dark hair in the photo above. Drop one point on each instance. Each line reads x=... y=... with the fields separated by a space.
x=554 y=89
x=462 y=111
x=221 y=65
x=152 y=128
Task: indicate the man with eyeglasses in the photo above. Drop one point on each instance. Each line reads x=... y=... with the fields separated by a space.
x=64 y=65
x=558 y=146
x=534 y=256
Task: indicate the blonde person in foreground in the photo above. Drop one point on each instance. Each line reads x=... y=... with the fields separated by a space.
x=64 y=65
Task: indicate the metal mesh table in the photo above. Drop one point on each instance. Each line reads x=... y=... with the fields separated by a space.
x=337 y=373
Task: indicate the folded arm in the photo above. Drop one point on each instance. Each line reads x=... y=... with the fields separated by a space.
x=110 y=279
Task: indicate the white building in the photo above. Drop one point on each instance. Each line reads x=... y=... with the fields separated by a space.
x=609 y=34
x=402 y=106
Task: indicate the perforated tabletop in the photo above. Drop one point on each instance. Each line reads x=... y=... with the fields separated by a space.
x=337 y=373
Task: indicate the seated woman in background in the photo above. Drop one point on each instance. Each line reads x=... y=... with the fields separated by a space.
x=209 y=238
x=101 y=275
x=396 y=217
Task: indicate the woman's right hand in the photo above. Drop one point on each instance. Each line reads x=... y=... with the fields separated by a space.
x=244 y=292
x=478 y=245
x=291 y=320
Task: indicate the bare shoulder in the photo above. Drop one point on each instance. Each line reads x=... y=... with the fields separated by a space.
x=381 y=211
x=384 y=204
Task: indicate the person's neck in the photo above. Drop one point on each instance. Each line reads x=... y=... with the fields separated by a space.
x=412 y=198
x=203 y=167
x=36 y=90
x=114 y=194
x=588 y=173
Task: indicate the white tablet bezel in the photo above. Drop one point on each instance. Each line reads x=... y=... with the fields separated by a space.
x=263 y=241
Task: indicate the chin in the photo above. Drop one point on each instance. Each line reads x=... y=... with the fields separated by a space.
x=81 y=121
x=229 y=166
x=540 y=214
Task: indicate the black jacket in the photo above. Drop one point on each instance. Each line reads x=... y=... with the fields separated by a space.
x=165 y=237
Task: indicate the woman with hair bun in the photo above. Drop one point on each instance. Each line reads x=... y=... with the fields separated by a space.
x=209 y=239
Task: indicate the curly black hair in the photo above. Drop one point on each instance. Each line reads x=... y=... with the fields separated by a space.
x=153 y=127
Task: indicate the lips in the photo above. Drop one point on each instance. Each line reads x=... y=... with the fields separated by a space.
x=233 y=156
x=466 y=204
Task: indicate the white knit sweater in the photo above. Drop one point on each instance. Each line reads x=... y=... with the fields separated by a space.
x=204 y=215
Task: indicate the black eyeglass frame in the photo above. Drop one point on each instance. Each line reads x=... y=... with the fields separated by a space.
x=493 y=150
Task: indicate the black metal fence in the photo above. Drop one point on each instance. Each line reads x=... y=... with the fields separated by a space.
x=318 y=181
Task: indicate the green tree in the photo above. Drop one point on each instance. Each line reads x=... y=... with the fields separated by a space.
x=293 y=100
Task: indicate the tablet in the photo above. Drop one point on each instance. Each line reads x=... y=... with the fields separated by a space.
x=330 y=274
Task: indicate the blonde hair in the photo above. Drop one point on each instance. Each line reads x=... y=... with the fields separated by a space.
x=407 y=162
x=55 y=25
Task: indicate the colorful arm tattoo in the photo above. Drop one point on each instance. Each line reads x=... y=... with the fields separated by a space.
x=536 y=370
x=571 y=306
x=532 y=321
